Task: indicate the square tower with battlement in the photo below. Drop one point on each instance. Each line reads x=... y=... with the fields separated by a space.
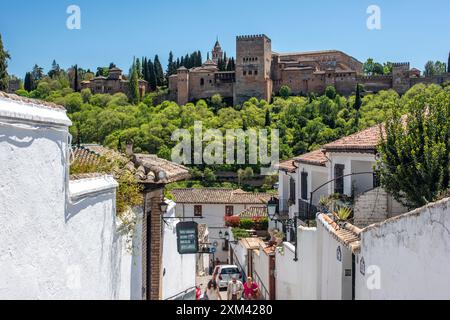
x=253 y=67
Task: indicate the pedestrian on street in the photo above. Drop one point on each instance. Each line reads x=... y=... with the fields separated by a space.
x=235 y=289
x=212 y=290
x=211 y=267
x=250 y=289
x=217 y=261
x=198 y=292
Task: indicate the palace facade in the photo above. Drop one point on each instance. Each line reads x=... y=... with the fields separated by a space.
x=260 y=73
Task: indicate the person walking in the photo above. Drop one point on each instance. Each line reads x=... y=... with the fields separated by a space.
x=212 y=290
x=250 y=289
x=234 y=289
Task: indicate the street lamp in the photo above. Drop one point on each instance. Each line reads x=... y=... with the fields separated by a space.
x=163 y=207
x=227 y=236
x=220 y=234
x=272 y=208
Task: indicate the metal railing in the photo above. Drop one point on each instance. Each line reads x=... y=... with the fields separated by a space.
x=306 y=210
x=265 y=295
x=183 y=294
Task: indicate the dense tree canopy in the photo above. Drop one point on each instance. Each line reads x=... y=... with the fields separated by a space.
x=415 y=152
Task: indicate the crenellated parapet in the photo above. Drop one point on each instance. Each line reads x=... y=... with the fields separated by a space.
x=252 y=37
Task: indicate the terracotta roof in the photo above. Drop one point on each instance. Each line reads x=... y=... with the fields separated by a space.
x=363 y=141
x=252 y=243
x=316 y=157
x=153 y=164
x=287 y=165
x=217 y=195
x=254 y=212
x=29 y=101
x=146 y=168
x=270 y=249
x=346 y=233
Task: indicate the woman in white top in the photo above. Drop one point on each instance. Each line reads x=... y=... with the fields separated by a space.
x=212 y=291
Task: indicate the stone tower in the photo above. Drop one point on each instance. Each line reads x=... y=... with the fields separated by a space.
x=253 y=68
x=183 y=86
x=217 y=52
x=400 y=77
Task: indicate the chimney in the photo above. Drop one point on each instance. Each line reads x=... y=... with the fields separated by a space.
x=129 y=149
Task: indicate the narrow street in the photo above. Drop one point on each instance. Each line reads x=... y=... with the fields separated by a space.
x=203 y=281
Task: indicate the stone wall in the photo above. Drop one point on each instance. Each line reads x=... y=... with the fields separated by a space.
x=375 y=206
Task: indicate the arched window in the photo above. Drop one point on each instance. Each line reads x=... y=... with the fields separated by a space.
x=202 y=81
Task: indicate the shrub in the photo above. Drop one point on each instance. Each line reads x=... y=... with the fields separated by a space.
x=239 y=233
x=285 y=92
x=232 y=221
x=247 y=223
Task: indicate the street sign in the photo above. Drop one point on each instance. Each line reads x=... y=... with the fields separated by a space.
x=213 y=250
x=187 y=237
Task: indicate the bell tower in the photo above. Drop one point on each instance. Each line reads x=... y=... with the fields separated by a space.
x=217 y=52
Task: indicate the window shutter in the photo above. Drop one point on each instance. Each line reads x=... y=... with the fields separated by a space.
x=304 y=185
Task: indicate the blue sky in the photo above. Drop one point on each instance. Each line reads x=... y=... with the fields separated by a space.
x=115 y=31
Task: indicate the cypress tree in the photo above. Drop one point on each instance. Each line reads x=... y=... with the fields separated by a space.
x=145 y=69
x=448 y=63
x=207 y=56
x=171 y=67
x=267 y=121
x=199 y=58
x=151 y=75
x=138 y=68
x=358 y=101
x=28 y=82
x=75 y=79
x=4 y=77
x=133 y=84
x=158 y=71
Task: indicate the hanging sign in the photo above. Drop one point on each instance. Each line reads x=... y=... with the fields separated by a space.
x=187 y=237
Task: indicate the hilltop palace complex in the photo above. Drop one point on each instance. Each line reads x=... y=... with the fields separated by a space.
x=260 y=73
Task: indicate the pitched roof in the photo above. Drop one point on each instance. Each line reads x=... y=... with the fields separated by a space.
x=363 y=141
x=147 y=168
x=252 y=243
x=219 y=196
x=29 y=101
x=316 y=157
x=346 y=233
x=254 y=212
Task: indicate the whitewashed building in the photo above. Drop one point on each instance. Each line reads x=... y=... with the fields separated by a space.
x=210 y=206
x=346 y=166
x=59 y=238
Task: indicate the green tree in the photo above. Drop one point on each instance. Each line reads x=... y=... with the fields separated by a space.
x=209 y=175
x=415 y=150
x=171 y=67
x=55 y=71
x=358 y=100
x=285 y=91
x=76 y=87
x=158 y=71
x=4 y=56
x=330 y=92
x=28 y=82
x=448 y=63
x=133 y=84
x=37 y=73
x=429 y=69
x=216 y=102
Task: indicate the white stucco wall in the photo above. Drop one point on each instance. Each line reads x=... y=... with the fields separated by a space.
x=307 y=264
x=411 y=253
x=178 y=270
x=261 y=269
x=58 y=239
x=286 y=274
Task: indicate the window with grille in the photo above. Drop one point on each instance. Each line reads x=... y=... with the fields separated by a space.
x=339 y=179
